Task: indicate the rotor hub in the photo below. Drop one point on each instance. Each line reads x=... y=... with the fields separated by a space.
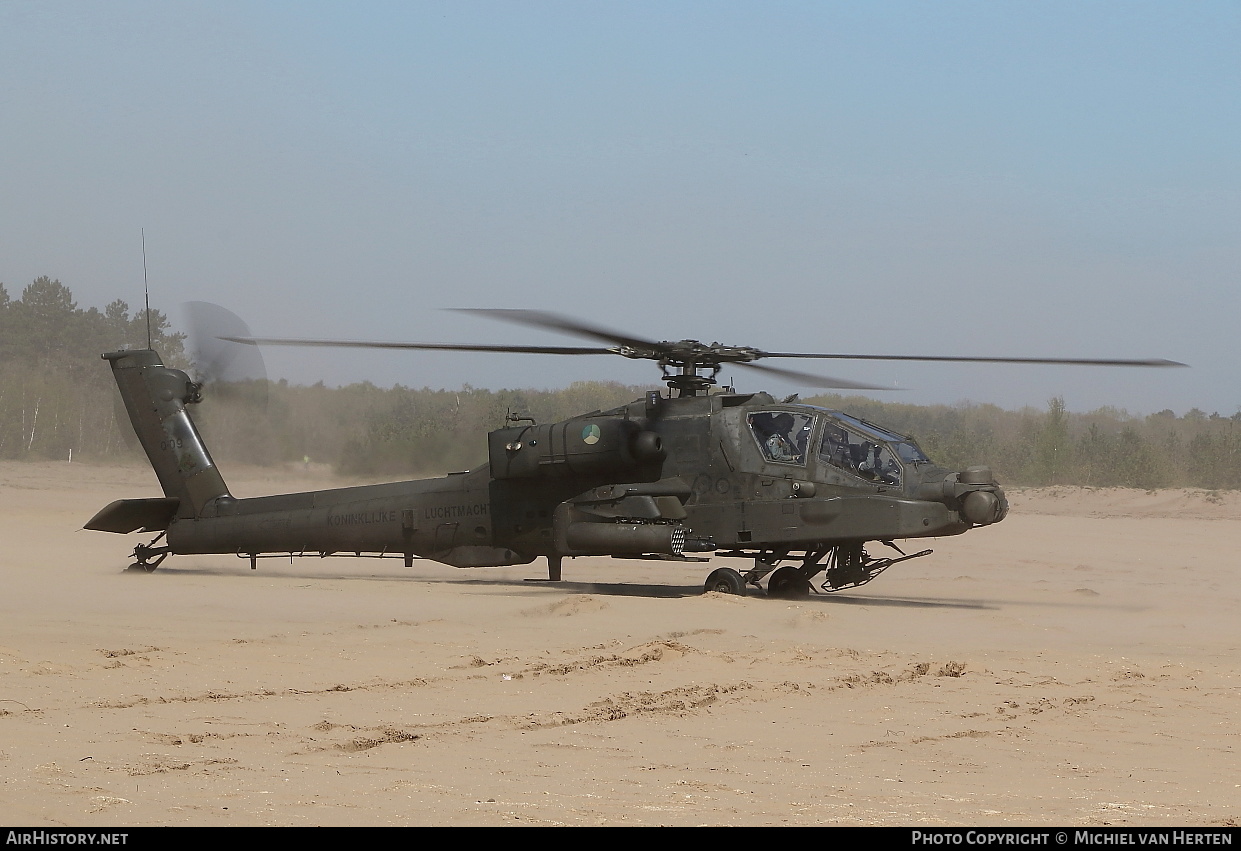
x=683 y=362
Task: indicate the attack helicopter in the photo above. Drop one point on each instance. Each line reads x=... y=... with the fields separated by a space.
x=789 y=490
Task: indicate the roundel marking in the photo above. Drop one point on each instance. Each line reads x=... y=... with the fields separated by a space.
x=591 y=434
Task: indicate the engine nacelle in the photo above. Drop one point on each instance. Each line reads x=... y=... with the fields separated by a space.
x=585 y=446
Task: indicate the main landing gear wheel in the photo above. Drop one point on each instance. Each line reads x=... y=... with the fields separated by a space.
x=787 y=583
x=726 y=581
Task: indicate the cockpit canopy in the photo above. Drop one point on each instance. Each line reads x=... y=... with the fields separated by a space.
x=845 y=443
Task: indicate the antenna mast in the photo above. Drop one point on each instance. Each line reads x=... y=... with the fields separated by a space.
x=146 y=290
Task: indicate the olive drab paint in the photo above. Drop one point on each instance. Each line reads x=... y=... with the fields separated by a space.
x=797 y=490
x=734 y=474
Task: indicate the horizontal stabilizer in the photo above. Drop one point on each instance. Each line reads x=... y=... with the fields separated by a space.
x=135 y=515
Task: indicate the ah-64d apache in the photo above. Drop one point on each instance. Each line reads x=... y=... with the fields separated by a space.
x=793 y=489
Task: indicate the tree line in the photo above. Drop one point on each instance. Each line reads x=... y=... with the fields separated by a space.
x=57 y=400
x=56 y=393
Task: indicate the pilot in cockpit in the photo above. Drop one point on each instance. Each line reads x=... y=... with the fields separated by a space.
x=777 y=445
x=874 y=465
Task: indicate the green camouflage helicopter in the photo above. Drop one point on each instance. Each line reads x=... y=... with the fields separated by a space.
x=789 y=490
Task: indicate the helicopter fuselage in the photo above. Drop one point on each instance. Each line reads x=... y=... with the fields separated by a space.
x=734 y=474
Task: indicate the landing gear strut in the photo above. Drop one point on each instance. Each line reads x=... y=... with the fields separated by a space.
x=789 y=582
x=553 y=569
x=144 y=553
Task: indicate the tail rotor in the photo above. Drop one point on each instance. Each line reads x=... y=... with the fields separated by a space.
x=233 y=370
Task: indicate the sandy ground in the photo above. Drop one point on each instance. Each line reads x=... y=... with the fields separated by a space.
x=1074 y=665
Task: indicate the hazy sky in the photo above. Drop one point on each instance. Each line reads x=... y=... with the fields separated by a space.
x=977 y=178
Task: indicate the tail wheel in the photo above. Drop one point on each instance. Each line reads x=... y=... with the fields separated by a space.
x=725 y=581
x=147 y=557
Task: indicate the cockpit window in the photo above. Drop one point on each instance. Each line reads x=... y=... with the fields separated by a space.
x=906 y=450
x=782 y=436
x=860 y=454
x=910 y=453
x=871 y=430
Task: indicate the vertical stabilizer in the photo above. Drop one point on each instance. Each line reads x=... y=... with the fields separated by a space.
x=155 y=397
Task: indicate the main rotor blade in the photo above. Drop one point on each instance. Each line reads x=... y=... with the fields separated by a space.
x=447 y=347
x=556 y=322
x=1156 y=362
x=822 y=381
